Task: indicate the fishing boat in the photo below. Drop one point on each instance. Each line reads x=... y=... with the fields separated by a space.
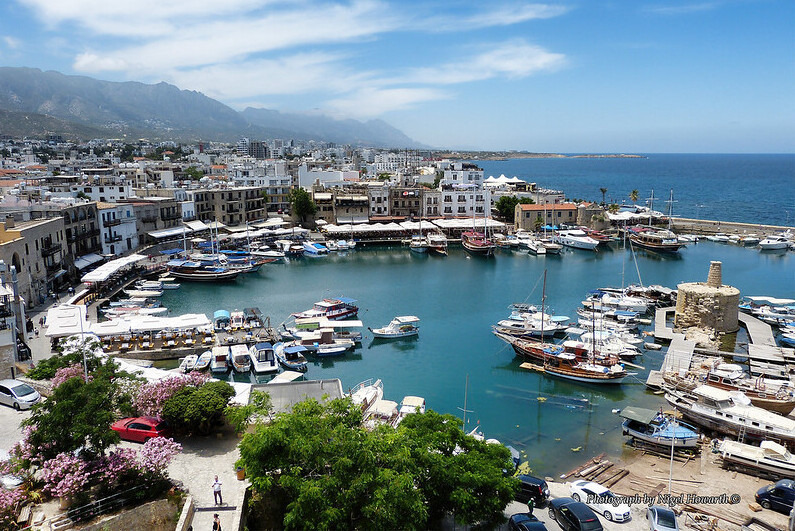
x=291 y=357
x=188 y=363
x=657 y=428
x=240 y=360
x=769 y=459
x=663 y=241
x=437 y=243
x=331 y=349
x=575 y=238
x=418 y=244
x=203 y=361
x=219 y=363
x=332 y=309
x=402 y=326
x=731 y=413
x=567 y=365
x=196 y=272
x=263 y=357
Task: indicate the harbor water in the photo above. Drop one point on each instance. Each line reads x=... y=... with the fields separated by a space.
x=554 y=423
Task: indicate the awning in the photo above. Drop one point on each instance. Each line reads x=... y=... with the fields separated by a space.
x=168 y=233
x=105 y=271
x=86 y=260
x=196 y=225
x=639 y=414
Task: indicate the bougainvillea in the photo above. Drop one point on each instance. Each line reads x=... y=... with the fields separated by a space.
x=9 y=501
x=156 y=455
x=151 y=396
x=65 y=373
x=119 y=463
x=65 y=475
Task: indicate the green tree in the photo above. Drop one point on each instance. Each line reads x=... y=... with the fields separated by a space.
x=613 y=208
x=198 y=409
x=323 y=470
x=78 y=414
x=302 y=204
x=604 y=191
x=633 y=196
x=506 y=206
x=193 y=173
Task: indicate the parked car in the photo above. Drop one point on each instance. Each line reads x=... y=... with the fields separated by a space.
x=589 y=492
x=572 y=515
x=141 y=429
x=525 y=522
x=661 y=519
x=532 y=488
x=778 y=496
x=18 y=395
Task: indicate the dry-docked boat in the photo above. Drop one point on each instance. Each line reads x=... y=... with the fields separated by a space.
x=767 y=395
x=769 y=459
x=657 y=428
x=731 y=413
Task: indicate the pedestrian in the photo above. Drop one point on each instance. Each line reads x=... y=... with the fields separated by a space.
x=41 y=321
x=216 y=523
x=217 y=492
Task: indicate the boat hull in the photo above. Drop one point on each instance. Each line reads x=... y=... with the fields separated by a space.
x=680 y=443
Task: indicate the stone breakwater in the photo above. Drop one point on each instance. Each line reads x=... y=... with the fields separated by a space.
x=708 y=227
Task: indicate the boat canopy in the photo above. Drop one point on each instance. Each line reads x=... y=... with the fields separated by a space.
x=263 y=346
x=403 y=319
x=773 y=300
x=221 y=314
x=413 y=401
x=294 y=349
x=639 y=414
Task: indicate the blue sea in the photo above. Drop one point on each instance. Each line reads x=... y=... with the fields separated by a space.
x=745 y=188
x=456 y=360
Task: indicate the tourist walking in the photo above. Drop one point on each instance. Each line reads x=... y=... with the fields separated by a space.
x=216 y=523
x=217 y=492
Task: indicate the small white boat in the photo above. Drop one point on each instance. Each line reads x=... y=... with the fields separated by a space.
x=203 y=361
x=240 y=360
x=145 y=293
x=170 y=285
x=719 y=238
x=331 y=349
x=575 y=238
x=769 y=459
x=219 y=363
x=263 y=358
x=188 y=363
x=402 y=326
x=410 y=405
x=365 y=394
x=315 y=248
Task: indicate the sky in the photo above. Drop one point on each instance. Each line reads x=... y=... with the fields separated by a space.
x=575 y=76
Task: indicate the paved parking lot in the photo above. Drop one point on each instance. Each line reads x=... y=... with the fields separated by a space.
x=10 y=431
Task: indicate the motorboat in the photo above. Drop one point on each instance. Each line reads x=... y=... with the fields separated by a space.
x=331 y=245
x=221 y=320
x=290 y=248
x=776 y=242
x=749 y=240
x=144 y=293
x=576 y=239
x=719 y=238
x=477 y=243
x=203 y=361
x=118 y=311
x=411 y=404
x=331 y=349
x=291 y=357
x=188 y=363
x=219 y=363
x=550 y=246
x=240 y=359
x=769 y=459
x=607 y=343
x=731 y=413
x=367 y=393
x=237 y=320
x=437 y=243
x=263 y=357
x=599 y=300
x=402 y=326
x=315 y=248
x=657 y=428
x=382 y=412
x=332 y=309
x=305 y=329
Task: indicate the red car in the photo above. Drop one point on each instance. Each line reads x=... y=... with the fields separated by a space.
x=141 y=429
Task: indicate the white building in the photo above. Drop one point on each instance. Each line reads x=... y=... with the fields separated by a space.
x=378 y=195
x=307 y=177
x=465 y=201
x=117 y=228
x=105 y=192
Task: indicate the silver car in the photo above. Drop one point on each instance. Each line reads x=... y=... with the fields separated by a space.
x=18 y=395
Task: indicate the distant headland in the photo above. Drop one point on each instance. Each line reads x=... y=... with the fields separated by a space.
x=504 y=155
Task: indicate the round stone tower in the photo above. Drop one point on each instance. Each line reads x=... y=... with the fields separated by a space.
x=708 y=305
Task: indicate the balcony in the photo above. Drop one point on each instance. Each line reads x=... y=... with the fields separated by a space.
x=149 y=219
x=52 y=268
x=111 y=239
x=51 y=249
x=82 y=235
x=173 y=216
x=112 y=222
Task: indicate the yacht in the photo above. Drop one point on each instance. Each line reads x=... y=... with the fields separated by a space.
x=315 y=248
x=776 y=242
x=575 y=238
x=402 y=326
x=331 y=309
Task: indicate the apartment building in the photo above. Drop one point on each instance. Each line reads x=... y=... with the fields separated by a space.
x=118 y=228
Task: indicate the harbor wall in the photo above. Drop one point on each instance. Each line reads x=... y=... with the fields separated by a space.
x=709 y=227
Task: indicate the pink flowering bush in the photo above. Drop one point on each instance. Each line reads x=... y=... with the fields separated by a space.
x=120 y=463
x=151 y=396
x=65 y=373
x=65 y=475
x=156 y=455
x=9 y=502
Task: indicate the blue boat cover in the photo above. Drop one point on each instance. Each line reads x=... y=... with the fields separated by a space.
x=263 y=346
x=294 y=349
x=171 y=251
x=346 y=300
x=222 y=313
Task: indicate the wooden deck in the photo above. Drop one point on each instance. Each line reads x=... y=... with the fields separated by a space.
x=759 y=332
x=679 y=355
x=661 y=330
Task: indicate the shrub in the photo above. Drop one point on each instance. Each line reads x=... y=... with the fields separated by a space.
x=65 y=475
x=156 y=455
x=151 y=396
x=9 y=502
x=197 y=409
x=65 y=373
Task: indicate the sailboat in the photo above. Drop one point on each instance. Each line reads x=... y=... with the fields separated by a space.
x=418 y=242
x=478 y=243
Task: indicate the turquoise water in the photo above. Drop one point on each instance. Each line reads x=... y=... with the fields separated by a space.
x=745 y=188
x=458 y=298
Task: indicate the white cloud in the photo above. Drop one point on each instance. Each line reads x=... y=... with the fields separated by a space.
x=513 y=60
x=512 y=14
x=683 y=9
x=12 y=42
x=368 y=102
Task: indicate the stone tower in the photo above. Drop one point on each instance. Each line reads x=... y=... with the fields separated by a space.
x=709 y=305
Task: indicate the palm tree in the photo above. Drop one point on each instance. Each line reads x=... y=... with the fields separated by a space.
x=604 y=191
x=633 y=196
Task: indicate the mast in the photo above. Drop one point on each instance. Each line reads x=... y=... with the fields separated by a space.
x=543 y=301
x=671 y=209
x=651 y=205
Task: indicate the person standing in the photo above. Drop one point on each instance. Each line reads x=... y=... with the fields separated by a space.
x=216 y=523
x=217 y=492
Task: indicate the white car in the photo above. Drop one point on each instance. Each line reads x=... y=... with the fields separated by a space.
x=600 y=499
x=17 y=394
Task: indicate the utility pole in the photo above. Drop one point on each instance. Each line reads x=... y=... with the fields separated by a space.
x=14 y=310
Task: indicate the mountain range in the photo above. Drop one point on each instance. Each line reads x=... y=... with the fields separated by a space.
x=35 y=102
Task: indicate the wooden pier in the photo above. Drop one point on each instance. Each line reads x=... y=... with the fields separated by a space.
x=661 y=330
x=759 y=332
x=680 y=352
